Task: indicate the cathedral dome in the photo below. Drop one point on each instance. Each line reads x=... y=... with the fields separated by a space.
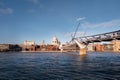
x=54 y=39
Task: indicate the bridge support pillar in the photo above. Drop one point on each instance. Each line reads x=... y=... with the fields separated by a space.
x=83 y=51
x=61 y=50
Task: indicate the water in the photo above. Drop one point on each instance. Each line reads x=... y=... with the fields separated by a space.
x=59 y=66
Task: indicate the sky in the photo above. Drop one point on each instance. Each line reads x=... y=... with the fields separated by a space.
x=38 y=20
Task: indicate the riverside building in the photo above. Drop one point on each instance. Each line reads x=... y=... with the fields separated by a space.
x=116 y=45
x=29 y=46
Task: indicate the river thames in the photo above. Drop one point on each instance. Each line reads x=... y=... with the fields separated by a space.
x=59 y=66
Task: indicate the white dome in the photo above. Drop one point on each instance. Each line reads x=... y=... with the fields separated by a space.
x=54 y=39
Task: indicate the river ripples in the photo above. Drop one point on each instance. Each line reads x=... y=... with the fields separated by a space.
x=59 y=66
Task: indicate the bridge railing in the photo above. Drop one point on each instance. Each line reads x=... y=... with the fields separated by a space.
x=100 y=37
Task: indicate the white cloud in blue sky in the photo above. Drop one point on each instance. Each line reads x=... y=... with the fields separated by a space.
x=32 y=10
x=6 y=11
x=81 y=18
x=107 y=24
x=34 y=1
x=88 y=25
x=78 y=34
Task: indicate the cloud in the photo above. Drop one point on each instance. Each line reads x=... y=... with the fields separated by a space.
x=32 y=10
x=34 y=1
x=112 y=23
x=6 y=11
x=78 y=34
x=80 y=18
x=86 y=24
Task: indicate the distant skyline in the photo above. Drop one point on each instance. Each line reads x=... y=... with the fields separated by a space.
x=38 y=20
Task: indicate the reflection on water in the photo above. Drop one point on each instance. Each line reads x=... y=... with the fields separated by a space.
x=59 y=66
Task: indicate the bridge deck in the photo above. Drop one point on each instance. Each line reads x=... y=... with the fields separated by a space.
x=115 y=35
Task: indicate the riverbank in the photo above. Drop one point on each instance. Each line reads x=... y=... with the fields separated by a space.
x=72 y=51
x=61 y=52
x=43 y=51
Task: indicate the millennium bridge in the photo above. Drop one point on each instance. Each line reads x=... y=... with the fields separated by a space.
x=82 y=42
x=115 y=35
